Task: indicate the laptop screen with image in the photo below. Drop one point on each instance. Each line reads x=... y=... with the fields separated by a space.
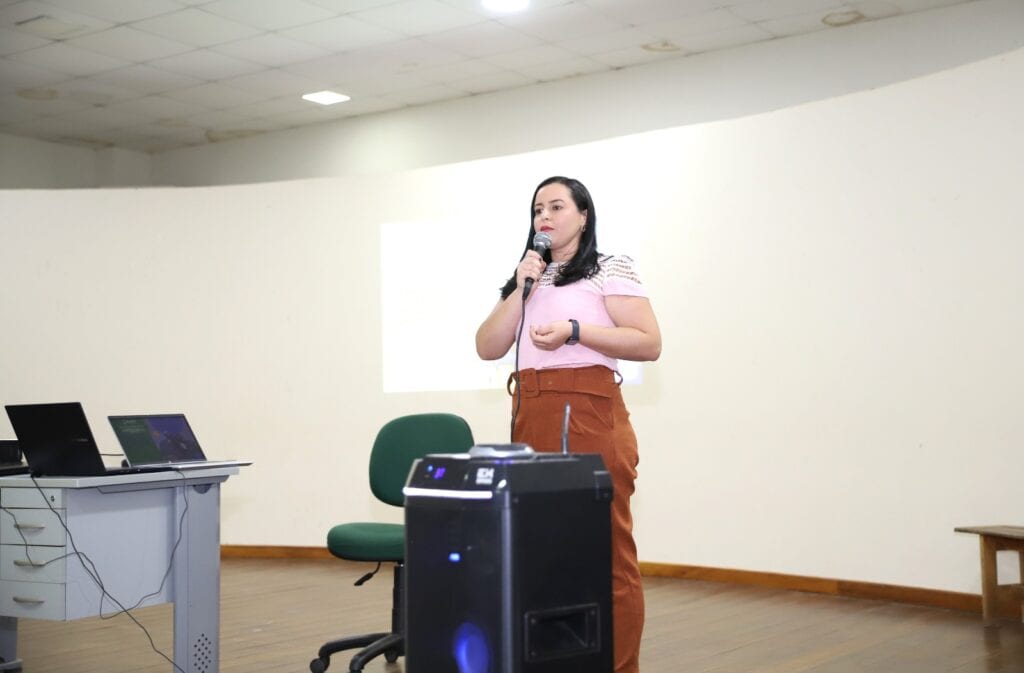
x=154 y=439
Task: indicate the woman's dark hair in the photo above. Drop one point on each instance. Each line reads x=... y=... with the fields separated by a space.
x=584 y=263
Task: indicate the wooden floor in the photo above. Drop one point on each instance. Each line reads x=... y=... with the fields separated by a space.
x=276 y=613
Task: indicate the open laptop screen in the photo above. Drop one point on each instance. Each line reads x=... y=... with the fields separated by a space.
x=153 y=439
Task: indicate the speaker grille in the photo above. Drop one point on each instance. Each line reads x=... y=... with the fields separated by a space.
x=202 y=653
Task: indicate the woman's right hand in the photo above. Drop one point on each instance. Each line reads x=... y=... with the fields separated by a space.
x=532 y=266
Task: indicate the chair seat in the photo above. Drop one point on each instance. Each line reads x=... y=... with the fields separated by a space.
x=367 y=541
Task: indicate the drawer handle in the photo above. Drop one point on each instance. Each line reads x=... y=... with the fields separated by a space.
x=29 y=526
x=27 y=564
x=28 y=601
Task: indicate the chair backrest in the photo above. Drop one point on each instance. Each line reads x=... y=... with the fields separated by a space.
x=406 y=438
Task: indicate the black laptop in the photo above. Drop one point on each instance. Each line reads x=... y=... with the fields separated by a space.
x=167 y=440
x=56 y=440
x=10 y=458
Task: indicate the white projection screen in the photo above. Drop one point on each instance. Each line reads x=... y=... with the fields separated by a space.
x=439 y=279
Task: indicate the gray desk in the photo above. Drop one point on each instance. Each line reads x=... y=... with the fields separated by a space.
x=127 y=526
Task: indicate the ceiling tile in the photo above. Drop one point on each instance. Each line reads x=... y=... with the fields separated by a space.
x=56 y=129
x=625 y=58
x=159 y=107
x=360 y=106
x=348 y=6
x=759 y=10
x=476 y=6
x=563 y=22
x=12 y=41
x=65 y=58
x=799 y=24
x=875 y=9
x=14 y=76
x=119 y=11
x=417 y=17
x=130 y=44
x=275 y=83
x=42 y=20
x=409 y=55
x=364 y=84
x=196 y=27
x=514 y=60
x=269 y=14
x=310 y=115
x=424 y=94
x=493 y=82
x=146 y=80
x=605 y=42
x=546 y=72
x=456 y=71
x=205 y=64
x=908 y=6
x=342 y=34
x=105 y=117
x=272 y=50
x=92 y=92
x=15 y=108
x=636 y=13
x=483 y=39
x=214 y=96
x=733 y=37
x=265 y=108
x=696 y=24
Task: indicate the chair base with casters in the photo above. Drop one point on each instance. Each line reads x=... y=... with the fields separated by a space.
x=391 y=645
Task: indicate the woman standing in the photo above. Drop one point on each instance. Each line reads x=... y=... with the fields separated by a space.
x=585 y=311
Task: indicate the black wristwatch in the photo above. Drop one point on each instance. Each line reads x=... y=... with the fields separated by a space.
x=574 y=338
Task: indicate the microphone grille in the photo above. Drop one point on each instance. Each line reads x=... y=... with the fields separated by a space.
x=541 y=241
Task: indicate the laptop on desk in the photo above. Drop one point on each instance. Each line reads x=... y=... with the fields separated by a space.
x=57 y=441
x=163 y=440
x=10 y=458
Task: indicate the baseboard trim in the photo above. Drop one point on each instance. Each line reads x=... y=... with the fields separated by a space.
x=934 y=598
x=884 y=592
x=264 y=551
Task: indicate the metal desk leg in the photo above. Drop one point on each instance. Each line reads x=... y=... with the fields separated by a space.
x=9 y=660
x=197 y=580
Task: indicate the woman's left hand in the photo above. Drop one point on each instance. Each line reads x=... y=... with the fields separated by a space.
x=551 y=336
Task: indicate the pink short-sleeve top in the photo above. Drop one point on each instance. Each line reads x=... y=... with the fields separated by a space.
x=583 y=301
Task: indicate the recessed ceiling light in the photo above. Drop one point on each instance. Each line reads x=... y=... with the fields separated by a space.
x=663 y=45
x=326 y=97
x=505 y=6
x=836 y=19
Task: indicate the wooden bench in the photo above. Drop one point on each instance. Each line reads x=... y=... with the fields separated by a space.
x=999 y=600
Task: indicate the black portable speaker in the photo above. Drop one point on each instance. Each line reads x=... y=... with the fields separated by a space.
x=508 y=563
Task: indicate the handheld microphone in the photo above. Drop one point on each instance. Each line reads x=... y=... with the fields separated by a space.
x=541 y=243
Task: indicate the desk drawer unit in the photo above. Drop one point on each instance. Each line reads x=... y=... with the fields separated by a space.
x=33 y=541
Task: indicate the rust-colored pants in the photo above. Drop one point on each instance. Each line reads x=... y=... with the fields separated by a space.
x=598 y=423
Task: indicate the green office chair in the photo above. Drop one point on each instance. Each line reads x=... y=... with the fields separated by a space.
x=398 y=444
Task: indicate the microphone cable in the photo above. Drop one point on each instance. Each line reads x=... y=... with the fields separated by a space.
x=519 y=388
x=541 y=244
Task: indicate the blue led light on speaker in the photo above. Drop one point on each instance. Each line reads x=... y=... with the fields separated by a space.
x=470 y=649
x=455 y=557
